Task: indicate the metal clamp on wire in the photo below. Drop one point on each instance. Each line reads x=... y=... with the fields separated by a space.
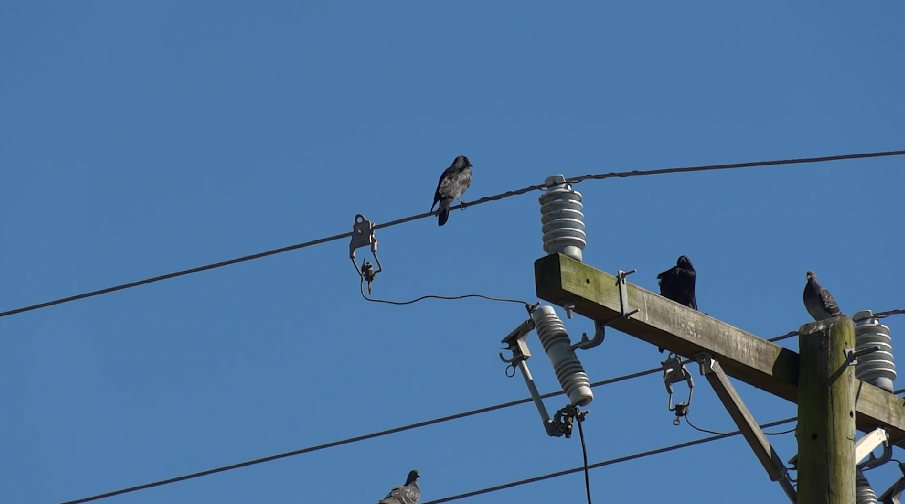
x=363 y=234
x=675 y=371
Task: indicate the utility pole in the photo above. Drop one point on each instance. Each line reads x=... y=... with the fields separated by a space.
x=831 y=405
x=826 y=413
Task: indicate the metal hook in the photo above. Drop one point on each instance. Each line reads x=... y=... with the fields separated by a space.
x=599 y=336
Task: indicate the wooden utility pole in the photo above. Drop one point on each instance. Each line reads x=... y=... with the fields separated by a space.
x=826 y=413
x=562 y=280
x=829 y=390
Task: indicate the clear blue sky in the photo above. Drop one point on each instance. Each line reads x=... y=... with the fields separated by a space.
x=140 y=138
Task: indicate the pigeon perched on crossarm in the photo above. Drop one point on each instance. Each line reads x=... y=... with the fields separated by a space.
x=410 y=493
x=817 y=300
x=677 y=283
x=453 y=183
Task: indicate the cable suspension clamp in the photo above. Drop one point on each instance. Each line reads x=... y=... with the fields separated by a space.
x=674 y=371
x=363 y=234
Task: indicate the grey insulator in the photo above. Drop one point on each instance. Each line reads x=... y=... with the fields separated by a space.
x=876 y=368
x=569 y=372
x=562 y=219
x=864 y=494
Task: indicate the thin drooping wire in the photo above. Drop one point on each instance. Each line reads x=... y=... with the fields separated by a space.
x=600 y=464
x=584 y=455
x=705 y=431
x=434 y=296
x=507 y=194
x=351 y=440
x=695 y=427
x=780 y=433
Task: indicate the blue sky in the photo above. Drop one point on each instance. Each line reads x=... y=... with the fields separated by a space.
x=146 y=137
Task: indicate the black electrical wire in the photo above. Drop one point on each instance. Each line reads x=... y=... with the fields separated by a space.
x=584 y=454
x=695 y=427
x=888 y=313
x=600 y=464
x=507 y=194
x=780 y=433
x=699 y=429
x=784 y=336
x=434 y=296
x=351 y=440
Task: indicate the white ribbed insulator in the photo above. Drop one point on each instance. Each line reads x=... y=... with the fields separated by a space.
x=876 y=368
x=553 y=336
x=561 y=218
x=864 y=494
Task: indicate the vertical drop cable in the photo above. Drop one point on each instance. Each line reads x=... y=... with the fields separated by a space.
x=584 y=454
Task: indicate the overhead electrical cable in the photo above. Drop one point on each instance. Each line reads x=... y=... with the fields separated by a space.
x=507 y=194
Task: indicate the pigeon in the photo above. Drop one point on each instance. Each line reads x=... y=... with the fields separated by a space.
x=453 y=183
x=410 y=493
x=818 y=301
x=677 y=284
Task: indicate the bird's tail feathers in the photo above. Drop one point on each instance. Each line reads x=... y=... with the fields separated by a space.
x=443 y=216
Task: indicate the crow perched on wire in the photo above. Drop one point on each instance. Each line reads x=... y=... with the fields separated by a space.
x=677 y=283
x=453 y=183
x=817 y=300
x=410 y=493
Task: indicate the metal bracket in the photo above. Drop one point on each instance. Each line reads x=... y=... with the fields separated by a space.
x=599 y=331
x=865 y=446
x=363 y=234
x=894 y=493
x=600 y=327
x=674 y=371
x=851 y=355
x=623 y=293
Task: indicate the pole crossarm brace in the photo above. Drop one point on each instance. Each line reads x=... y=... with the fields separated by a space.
x=749 y=427
x=667 y=324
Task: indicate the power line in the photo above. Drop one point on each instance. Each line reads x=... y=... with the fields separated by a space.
x=605 y=463
x=888 y=313
x=507 y=194
x=396 y=430
x=351 y=440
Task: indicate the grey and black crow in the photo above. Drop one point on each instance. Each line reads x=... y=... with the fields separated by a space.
x=453 y=183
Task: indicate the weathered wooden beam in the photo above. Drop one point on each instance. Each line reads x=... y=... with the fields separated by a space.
x=826 y=413
x=748 y=426
x=664 y=323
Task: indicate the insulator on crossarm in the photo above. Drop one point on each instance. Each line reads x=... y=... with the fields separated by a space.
x=552 y=334
x=562 y=219
x=876 y=368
